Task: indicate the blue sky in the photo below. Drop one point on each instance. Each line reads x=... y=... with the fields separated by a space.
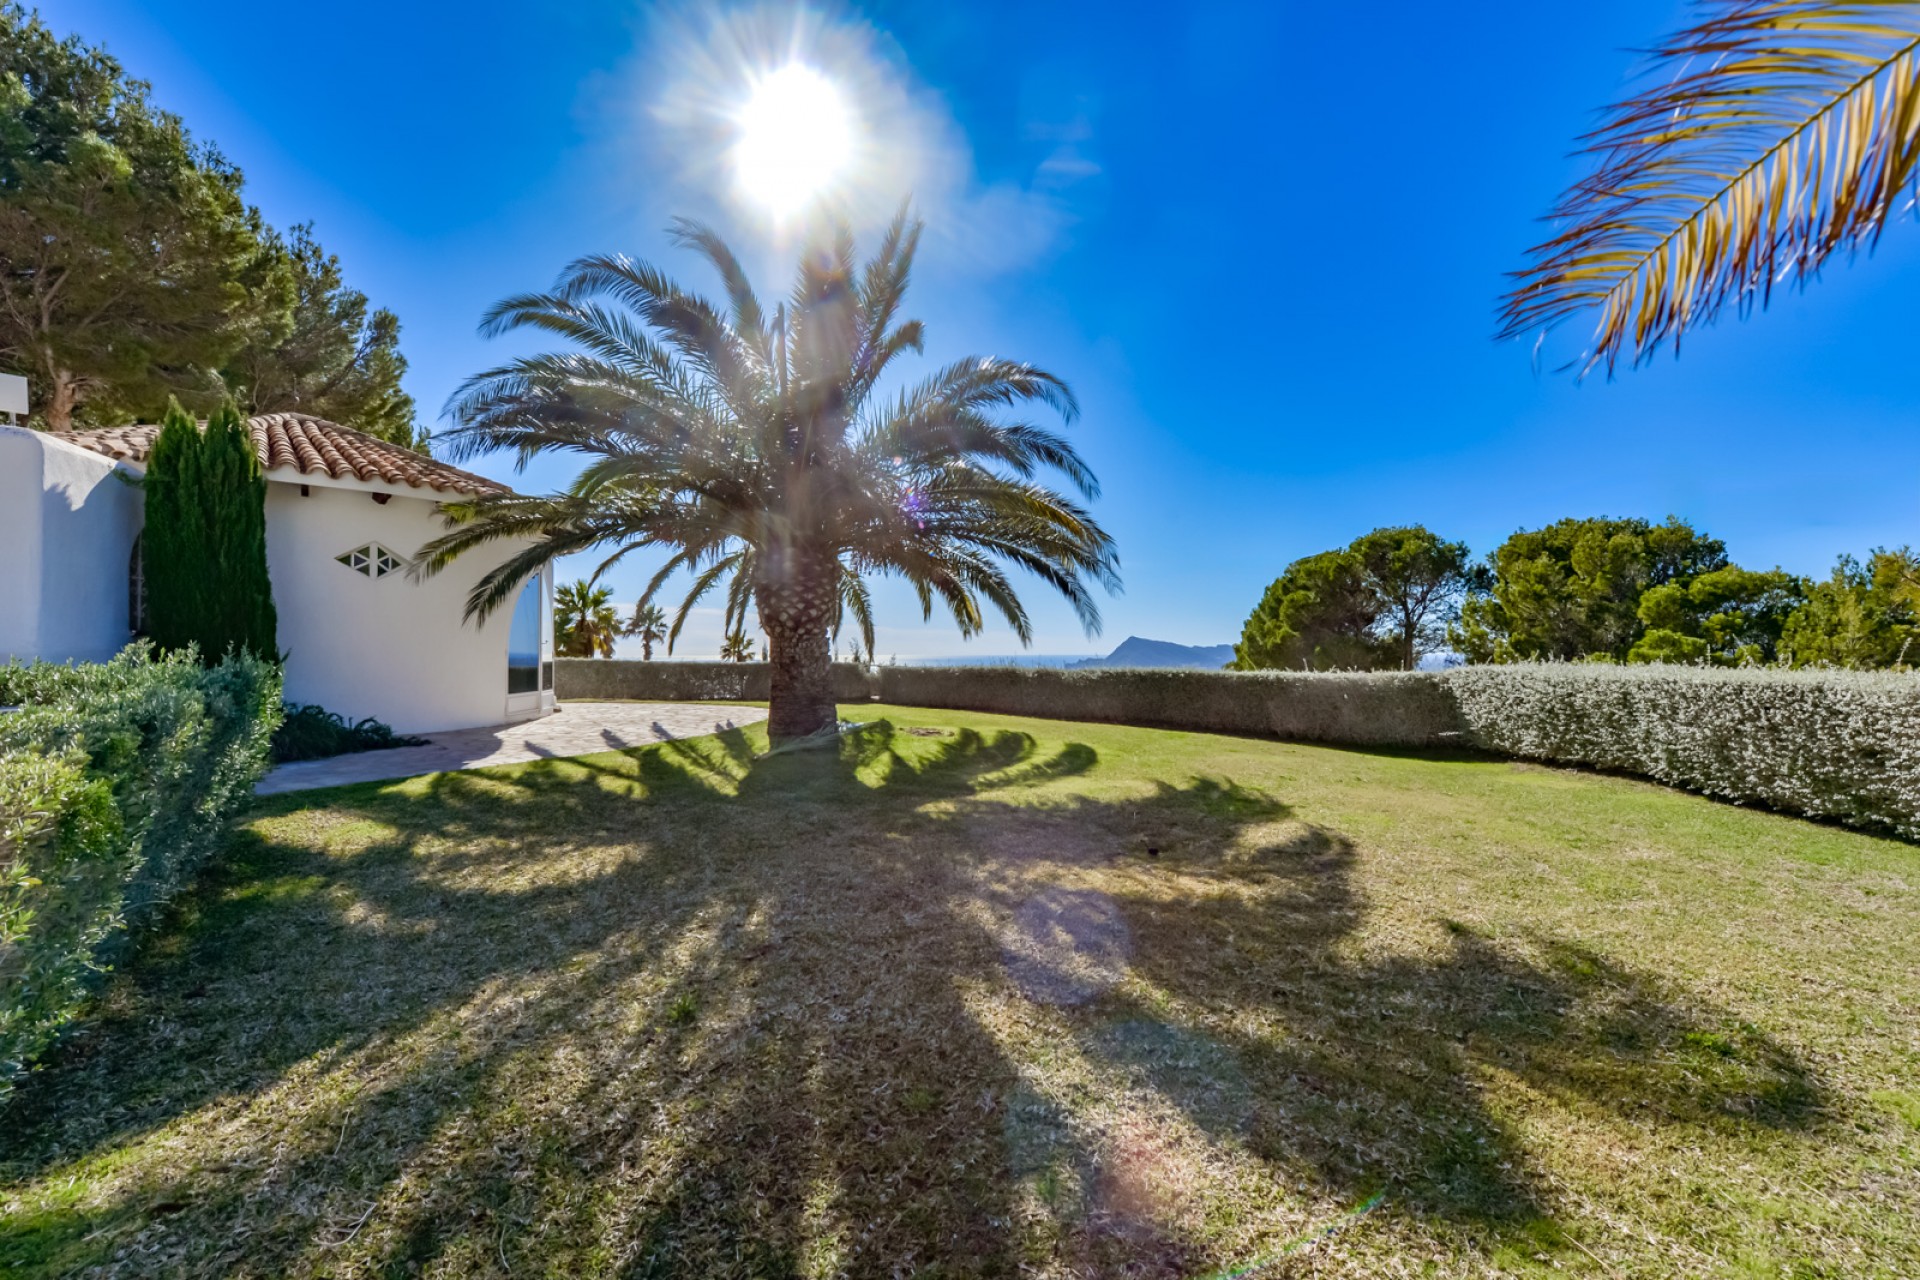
x=1262 y=242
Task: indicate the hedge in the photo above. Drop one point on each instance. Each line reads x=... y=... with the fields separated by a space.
x=1831 y=744
x=1406 y=709
x=596 y=679
x=1843 y=745
x=117 y=781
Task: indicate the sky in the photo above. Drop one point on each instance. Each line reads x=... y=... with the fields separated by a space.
x=1262 y=242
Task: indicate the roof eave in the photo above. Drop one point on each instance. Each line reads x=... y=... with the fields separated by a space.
x=354 y=484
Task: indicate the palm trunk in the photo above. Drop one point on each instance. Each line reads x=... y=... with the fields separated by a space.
x=796 y=611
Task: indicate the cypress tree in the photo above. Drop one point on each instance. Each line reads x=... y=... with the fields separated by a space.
x=237 y=529
x=173 y=541
x=206 y=539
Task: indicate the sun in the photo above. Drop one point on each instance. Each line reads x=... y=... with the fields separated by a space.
x=796 y=137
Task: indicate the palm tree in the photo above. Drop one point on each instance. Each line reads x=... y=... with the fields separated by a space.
x=736 y=647
x=584 y=622
x=1773 y=134
x=649 y=624
x=758 y=450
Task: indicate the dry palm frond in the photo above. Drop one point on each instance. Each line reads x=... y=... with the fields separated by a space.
x=1781 y=132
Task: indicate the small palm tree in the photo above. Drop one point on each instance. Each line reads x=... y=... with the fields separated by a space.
x=1773 y=134
x=736 y=648
x=584 y=621
x=649 y=625
x=757 y=450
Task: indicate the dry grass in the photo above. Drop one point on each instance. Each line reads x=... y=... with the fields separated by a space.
x=1014 y=998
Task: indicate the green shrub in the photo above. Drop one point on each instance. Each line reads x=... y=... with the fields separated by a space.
x=309 y=731
x=1370 y=709
x=593 y=679
x=205 y=543
x=1830 y=744
x=116 y=783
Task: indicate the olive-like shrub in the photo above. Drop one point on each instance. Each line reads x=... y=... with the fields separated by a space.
x=1830 y=744
x=117 y=781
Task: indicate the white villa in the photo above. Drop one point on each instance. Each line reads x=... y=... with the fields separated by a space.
x=345 y=514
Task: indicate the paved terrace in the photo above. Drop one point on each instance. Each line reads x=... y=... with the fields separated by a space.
x=576 y=729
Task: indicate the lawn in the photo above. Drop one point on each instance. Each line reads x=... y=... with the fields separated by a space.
x=982 y=996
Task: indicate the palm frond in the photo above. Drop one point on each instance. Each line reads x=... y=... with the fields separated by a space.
x=1778 y=133
x=751 y=450
x=855 y=599
x=749 y=320
x=703 y=582
x=690 y=324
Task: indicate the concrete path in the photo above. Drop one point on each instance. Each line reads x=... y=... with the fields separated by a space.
x=576 y=729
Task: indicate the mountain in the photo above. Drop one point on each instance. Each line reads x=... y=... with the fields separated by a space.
x=1135 y=652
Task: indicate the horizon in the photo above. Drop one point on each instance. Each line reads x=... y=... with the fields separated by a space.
x=1126 y=204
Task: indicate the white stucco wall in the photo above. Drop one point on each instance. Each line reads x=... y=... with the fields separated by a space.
x=390 y=647
x=67 y=528
x=387 y=647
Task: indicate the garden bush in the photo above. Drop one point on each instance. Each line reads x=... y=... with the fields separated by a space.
x=1381 y=709
x=116 y=783
x=308 y=731
x=1831 y=744
x=594 y=679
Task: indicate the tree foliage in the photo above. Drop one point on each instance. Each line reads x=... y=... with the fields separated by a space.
x=737 y=646
x=1771 y=135
x=132 y=270
x=127 y=253
x=1573 y=589
x=1418 y=580
x=326 y=354
x=204 y=545
x=1319 y=615
x=755 y=445
x=585 y=623
x=1384 y=600
x=1731 y=616
x=1863 y=616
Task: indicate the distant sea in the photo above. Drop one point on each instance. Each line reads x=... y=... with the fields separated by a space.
x=997 y=660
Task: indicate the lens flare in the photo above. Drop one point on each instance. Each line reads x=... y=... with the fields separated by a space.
x=796 y=135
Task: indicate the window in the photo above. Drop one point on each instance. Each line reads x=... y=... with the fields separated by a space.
x=137 y=586
x=524 y=672
x=373 y=560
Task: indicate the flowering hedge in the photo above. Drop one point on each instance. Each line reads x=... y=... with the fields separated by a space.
x=1830 y=744
x=116 y=782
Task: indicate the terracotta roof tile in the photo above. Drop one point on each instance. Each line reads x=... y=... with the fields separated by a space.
x=310 y=446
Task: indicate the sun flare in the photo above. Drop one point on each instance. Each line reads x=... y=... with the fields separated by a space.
x=796 y=136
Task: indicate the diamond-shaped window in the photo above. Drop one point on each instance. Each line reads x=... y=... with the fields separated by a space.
x=373 y=560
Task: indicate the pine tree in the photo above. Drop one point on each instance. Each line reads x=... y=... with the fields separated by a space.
x=205 y=549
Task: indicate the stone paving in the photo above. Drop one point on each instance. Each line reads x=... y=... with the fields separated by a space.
x=576 y=729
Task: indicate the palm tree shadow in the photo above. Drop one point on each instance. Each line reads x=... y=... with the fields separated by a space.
x=1366 y=1073
x=697 y=1004
x=288 y=961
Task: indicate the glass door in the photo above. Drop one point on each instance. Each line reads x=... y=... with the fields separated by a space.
x=530 y=649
